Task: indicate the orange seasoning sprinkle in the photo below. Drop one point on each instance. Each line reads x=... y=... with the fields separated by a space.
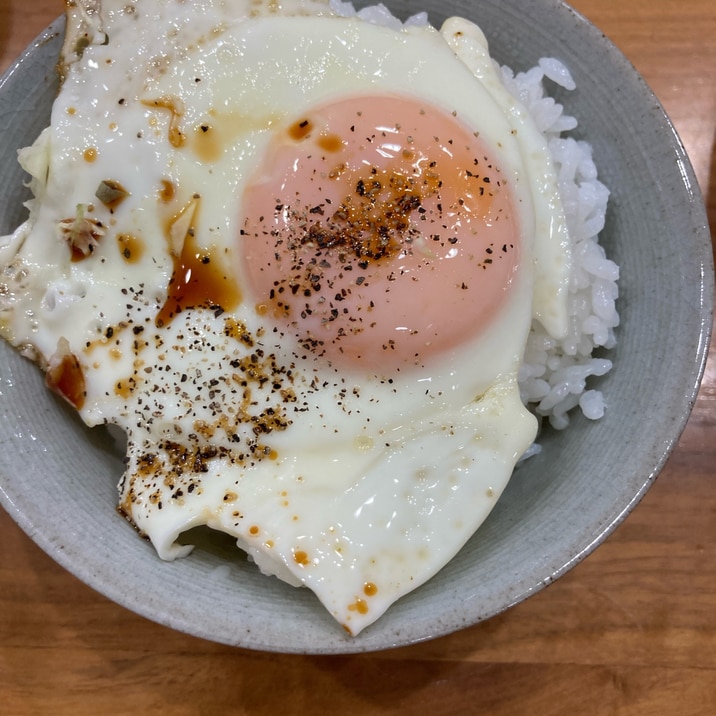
x=360 y=606
x=330 y=142
x=124 y=388
x=369 y=589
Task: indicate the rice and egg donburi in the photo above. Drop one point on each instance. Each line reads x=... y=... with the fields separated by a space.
x=298 y=268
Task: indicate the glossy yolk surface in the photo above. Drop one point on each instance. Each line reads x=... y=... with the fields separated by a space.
x=379 y=232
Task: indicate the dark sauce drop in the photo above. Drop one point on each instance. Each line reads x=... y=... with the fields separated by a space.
x=199 y=280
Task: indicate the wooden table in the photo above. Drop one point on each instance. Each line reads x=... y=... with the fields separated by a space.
x=631 y=630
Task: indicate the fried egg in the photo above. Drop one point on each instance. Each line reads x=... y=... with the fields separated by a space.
x=295 y=256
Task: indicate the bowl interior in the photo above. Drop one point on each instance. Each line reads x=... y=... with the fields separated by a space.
x=57 y=477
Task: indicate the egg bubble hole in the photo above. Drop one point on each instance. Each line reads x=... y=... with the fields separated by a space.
x=559 y=504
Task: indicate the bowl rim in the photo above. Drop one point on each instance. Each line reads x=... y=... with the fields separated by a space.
x=701 y=243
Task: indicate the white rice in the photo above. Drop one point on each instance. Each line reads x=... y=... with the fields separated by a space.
x=554 y=373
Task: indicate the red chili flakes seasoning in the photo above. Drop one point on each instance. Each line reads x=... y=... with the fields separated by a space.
x=65 y=377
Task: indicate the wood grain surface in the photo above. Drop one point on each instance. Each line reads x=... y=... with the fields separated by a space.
x=631 y=630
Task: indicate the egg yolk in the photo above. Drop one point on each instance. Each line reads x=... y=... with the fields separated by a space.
x=379 y=232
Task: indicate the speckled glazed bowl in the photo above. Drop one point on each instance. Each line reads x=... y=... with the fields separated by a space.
x=57 y=478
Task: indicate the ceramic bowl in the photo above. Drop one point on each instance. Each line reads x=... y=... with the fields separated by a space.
x=58 y=478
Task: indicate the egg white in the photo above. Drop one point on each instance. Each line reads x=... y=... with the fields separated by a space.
x=367 y=484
